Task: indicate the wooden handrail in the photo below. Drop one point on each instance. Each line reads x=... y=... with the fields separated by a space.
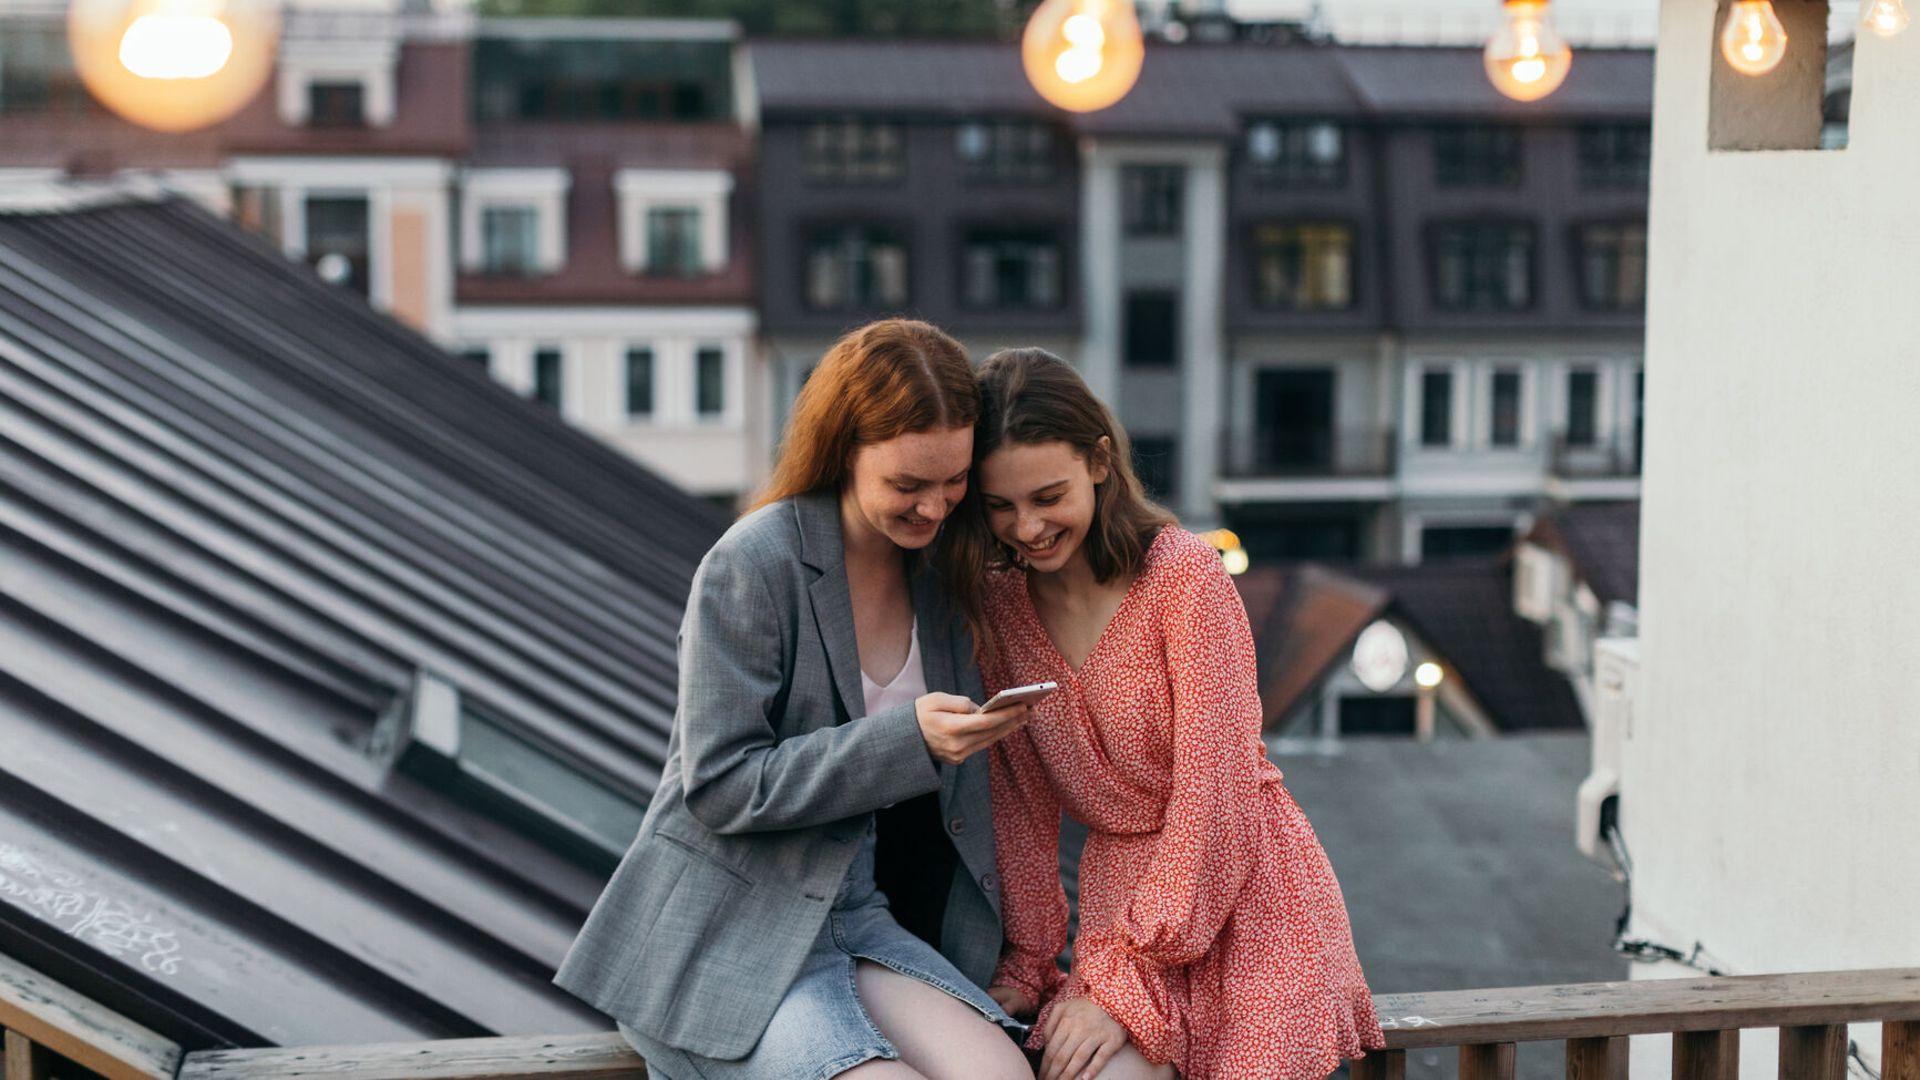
x=40 y=1015
x=1705 y=1015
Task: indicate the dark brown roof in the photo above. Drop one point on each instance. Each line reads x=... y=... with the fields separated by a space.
x=593 y=153
x=1601 y=541
x=1460 y=608
x=431 y=114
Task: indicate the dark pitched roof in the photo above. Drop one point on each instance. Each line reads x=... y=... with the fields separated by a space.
x=1462 y=609
x=239 y=511
x=1192 y=89
x=1602 y=541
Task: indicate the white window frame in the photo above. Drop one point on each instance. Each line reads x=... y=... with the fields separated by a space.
x=1527 y=436
x=1459 y=406
x=545 y=190
x=371 y=64
x=705 y=191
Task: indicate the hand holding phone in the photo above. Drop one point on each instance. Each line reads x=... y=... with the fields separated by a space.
x=1017 y=695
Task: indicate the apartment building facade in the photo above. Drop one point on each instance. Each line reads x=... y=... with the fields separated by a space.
x=557 y=199
x=1348 y=301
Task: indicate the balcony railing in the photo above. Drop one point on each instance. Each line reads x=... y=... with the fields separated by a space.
x=1594 y=462
x=1358 y=454
x=1705 y=1017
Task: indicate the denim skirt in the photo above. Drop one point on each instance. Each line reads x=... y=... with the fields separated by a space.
x=820 y=1028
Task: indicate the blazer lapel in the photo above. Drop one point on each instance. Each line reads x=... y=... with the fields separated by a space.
x=963 y=788
x=820 y=548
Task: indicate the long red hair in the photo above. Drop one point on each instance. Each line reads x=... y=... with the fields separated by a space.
x=885 y=379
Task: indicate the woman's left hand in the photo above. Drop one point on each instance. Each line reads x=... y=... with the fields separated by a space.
x=1081 y=1039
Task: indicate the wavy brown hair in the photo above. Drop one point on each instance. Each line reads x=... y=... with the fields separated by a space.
x=1031 y=396
x=885 y=379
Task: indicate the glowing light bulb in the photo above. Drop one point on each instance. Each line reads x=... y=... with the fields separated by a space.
x=1083 y=55
x=1886 y=17
x=1428 y=675
x=173 y=65
x=1527 y=59
x=1236 y=561
x=1754 y=41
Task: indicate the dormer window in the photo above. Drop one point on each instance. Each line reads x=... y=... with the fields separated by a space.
x=337 y=104
x=673 y=222
x=328 y=83
x=513 y=221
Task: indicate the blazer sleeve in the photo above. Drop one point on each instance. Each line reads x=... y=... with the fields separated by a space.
x=740 y=776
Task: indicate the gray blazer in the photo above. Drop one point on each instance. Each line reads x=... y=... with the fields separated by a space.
x=771 y=772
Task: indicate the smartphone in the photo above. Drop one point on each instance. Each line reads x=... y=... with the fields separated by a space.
x=1014 y=695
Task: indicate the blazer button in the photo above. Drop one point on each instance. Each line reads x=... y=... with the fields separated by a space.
x=987 y=882
x=816 y=897
x=957 y=826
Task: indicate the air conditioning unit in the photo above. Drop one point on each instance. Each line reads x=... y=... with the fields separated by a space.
x=1616 y=668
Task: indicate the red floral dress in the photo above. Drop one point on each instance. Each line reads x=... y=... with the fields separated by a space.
x=1211 y=924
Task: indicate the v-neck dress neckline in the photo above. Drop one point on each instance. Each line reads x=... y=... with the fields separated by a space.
x=1115 y=622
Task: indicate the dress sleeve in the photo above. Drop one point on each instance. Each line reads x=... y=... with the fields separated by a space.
x=1211 y=825
x=1026 y=834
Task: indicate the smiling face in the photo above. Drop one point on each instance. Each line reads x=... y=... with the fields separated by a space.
x=905 y=487
x=1039 y=500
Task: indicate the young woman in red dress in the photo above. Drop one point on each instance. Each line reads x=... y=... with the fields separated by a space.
x=1214 y=940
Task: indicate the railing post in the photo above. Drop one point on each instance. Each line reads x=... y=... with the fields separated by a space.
x=1487 y=1061
x=26 y=1059
x=1599 y=1058
x=1706 y=1055
x=1817 y=1052
x=1380 y=1065
x=1900 y=1050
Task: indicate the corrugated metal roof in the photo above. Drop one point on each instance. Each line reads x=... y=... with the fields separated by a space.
x=238 y=512
x=1191 y=89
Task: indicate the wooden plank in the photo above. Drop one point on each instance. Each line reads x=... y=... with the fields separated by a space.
x=1379 y=1065
x=1814 y=1052
x=1650 y=1006
x=1900 y=1051
x=1487 y=1061
x=74 y=1027
x=1597 y=1058
x=576 y=1057
x=1706 y=1055
x=26 y=1059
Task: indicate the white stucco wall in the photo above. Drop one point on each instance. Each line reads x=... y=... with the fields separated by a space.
x=1772 y=780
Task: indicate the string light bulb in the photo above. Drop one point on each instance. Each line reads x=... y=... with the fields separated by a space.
x=1083 y=55
x=173 y=65
x=1754 y=41
x=1886 y=17
x=1526 y=58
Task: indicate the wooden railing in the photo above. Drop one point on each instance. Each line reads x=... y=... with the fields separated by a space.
x=1704 y=1015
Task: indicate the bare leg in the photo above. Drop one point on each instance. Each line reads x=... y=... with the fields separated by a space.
x=940 y=1037
x=1129 y=1065
x=879 y=1069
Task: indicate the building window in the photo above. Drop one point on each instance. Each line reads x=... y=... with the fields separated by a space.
x=640 y=382
x=1011 y=270
x=337 y=241
x=337 y=104
x=710 y=382
x=1007 y=151
x=1153 y=463
x=477 y=355
x=1448 y=541
x=547 y=372
x=1583 y=398
x=602 y=78
x=509 y=240
x=1153 y=329
x=1303 y=266
x=1153 y=194
x=673 y=241
x=1616 y=155
x=1613 y=265
x=1476 y=155
x=1436 y=408
x=856 y=151
x=1309 y=154
x=1506 y=407
x=1483 y=266
x=857 y=268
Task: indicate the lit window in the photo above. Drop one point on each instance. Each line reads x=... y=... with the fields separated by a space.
x=1613 y=266
x=1310 y=154
x=856 y=268
x=1304 y=266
